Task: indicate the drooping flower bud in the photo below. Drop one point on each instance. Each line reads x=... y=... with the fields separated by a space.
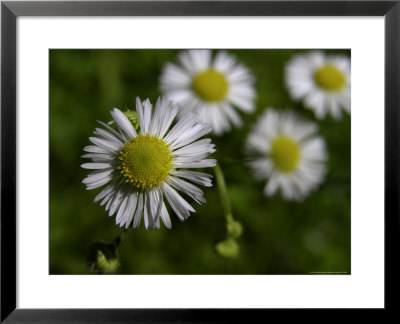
x=234 y=228
x=102 y=258
x=228 y=248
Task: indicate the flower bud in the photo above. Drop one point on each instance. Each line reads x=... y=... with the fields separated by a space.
x=134 y=119
x=234 y=228
x=228 y=248
x=102 y=258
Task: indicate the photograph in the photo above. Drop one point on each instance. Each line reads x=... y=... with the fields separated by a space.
x=200 y=161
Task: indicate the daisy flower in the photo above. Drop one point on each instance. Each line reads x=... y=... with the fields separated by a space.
x=321 y=81
x=212 y=87
x=287 y=152
x=142 y=167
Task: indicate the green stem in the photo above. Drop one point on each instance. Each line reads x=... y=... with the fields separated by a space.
x=223 y=193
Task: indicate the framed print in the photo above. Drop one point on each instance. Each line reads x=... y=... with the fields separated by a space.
x=196 y=161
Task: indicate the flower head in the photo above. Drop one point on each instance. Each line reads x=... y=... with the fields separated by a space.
x=142 y=166
x=212 y=87
x=286 y=151
x=322 y=82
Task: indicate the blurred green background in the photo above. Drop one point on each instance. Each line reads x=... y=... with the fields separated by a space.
x=279 y=237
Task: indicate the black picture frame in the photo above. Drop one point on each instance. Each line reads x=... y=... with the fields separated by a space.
x=9 y=13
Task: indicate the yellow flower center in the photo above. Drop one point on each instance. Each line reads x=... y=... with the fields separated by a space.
x=210 y=85
x=330 y=78
x=285 y=153
x=145 y=161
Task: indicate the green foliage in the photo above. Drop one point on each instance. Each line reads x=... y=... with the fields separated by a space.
x=279 y=237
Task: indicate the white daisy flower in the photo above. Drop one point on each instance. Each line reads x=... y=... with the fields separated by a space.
x=142 y=168
x=212 y=87
x=287 y=152
x=322 y=82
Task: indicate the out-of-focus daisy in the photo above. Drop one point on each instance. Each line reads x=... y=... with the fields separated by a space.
x=212 y=87
x=286 y=151
x=142 y=168
x=322 y=82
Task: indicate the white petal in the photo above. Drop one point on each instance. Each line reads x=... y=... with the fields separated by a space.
x=191 y=135
x=114 y=132
x=99 y=183
x=96 y=165
x=147 y=215
x=181 y=208
x=130 y=210
x=169 y=115
x=200 y=146
x=232 y=114
x=104 y=192
x=201 y=59
x=173 y=77
x=180 y=127
x=108 y=146
x=158 y=116
x=116 y=203
x=199 y=164
x=196 y=177
x=121 y=210
x=139 y=211
x=187 y=188
x=165 y=216
x=98 y=157
x=95 y=149
x=123 y=123
x=109 y=137
x=97 y=175
x=190 y=157
x=156 y=198
x=240 y=102
x=107 y=198
x=223 y=61
x=144 y=111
